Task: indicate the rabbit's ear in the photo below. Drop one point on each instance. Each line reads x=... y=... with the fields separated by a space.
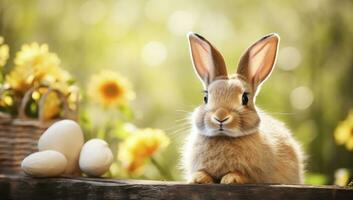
x=257 y=62
x=207 y=60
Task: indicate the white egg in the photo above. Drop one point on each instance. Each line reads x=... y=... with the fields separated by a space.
x=96 y=157
x=44 y=164
x=66 y=137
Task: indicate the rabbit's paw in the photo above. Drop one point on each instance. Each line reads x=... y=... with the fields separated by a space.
x=233 y=178
x=201 y=177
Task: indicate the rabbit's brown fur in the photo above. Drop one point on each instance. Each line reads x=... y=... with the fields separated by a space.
x=232 y=141
x=270 y=155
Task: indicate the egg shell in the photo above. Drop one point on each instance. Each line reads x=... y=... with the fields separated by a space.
x=66 y=137
x=96 y=157
x=44 y=164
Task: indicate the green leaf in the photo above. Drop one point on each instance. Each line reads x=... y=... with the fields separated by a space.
x=126 y=111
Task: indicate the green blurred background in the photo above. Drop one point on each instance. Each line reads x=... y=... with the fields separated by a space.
x=310 y=89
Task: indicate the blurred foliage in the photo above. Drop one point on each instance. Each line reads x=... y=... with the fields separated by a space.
x=310 y=89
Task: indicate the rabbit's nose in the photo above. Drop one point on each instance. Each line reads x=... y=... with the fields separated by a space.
x=221 y=120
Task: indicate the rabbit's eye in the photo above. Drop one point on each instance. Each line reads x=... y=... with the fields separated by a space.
x=245 y=98
x=205 y=98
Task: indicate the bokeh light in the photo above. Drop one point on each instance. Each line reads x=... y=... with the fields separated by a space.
x=288 y=58
x=301 y=98
x=154 y=53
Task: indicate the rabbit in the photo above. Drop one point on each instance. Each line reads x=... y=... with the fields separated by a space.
x=232 y=141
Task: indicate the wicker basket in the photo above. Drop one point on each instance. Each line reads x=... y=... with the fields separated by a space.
x=19 y=137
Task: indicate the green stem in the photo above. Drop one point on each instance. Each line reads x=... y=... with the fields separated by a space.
x=2 y=77
x=110 y=174
x=165 y=173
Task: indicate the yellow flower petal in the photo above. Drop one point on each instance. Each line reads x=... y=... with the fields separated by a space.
x=51 y=106
x=349 y=144
x=344 y=132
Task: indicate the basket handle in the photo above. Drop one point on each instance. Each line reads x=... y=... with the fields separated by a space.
x=24 y=101
x=43 y=99
x=41 y=104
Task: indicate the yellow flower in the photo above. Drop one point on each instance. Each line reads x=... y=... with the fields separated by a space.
x=5 y=101
x=34 y=66
x=110 y=89
x=140 y=146
x=342 y=177
x=344 y=132
x=51 y=106
x=4 y=52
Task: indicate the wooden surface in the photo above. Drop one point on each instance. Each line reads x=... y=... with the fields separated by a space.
x=23 y=187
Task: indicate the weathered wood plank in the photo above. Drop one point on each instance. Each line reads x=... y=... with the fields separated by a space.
x=23 y=187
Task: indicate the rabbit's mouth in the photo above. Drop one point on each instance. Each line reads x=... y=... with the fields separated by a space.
x=222 y=128
x=222 y=132
x=229 y=132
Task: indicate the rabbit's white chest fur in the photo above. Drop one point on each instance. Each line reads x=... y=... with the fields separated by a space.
x=268 y=156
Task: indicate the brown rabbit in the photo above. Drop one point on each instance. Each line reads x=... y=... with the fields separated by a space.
x=232 y=141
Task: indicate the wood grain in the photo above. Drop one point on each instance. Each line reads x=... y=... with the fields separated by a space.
x=23 y=187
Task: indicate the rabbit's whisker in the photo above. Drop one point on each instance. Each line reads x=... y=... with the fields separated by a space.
x=183 y=111
x=183 y=119
x=177 y=126
x=180 y=123
x=181 y=130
